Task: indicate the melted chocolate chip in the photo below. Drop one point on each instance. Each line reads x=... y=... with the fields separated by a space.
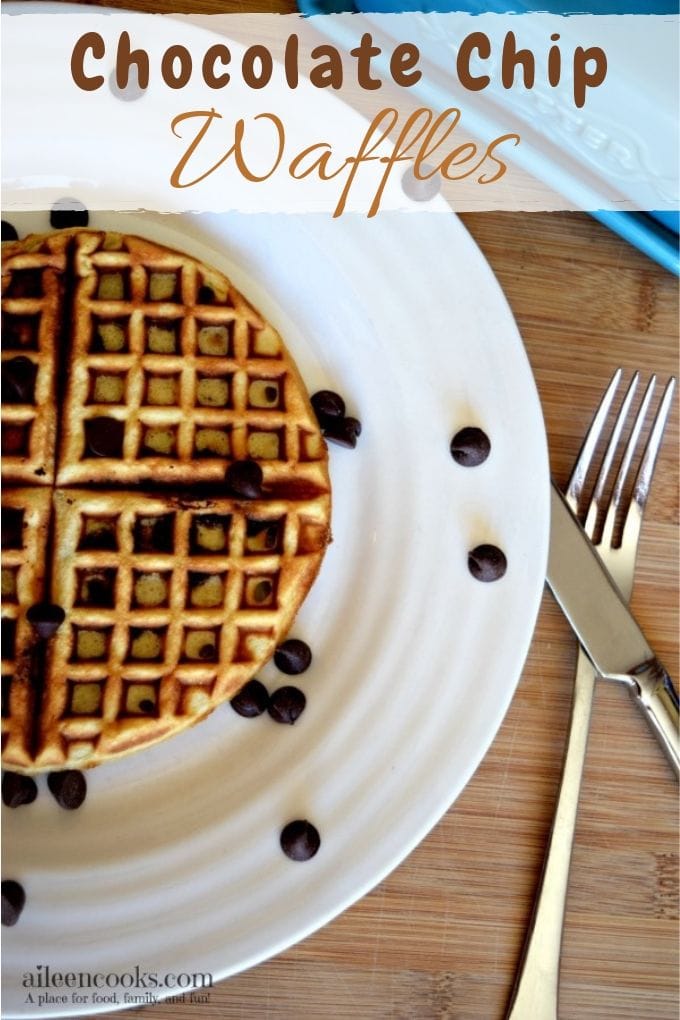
x=293 y=657
x=207 y=652
x=68 y=212
x=18 y=790
x=251 y=700
x=45 y=618
x=423 y=187
x=487 y=563
x=470 y=447
x=244 y=479
x=26 y=283
x=286 y=705
x=9 y=232
x=328 y=407
x=19 y=332
x=300 y=840
x=104 y=437
x=68 y=788
x=18 y=381
x=99 y=588
x=343 y=431
x=13 y=900
x=8 y=629
x=15 y=439
x=155 y=534
x=12 y=528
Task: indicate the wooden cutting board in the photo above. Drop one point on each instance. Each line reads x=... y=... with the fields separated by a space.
x=441 y=937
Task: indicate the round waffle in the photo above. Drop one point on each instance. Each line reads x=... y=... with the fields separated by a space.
x=134 y=379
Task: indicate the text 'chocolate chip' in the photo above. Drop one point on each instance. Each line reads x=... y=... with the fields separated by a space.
x=293 y=656
x=13 y=900
x=470 y=447
x=68 y=788
x=286 y=705
x=300 y=840
x=244 y=479
x=251 y=700
x=487 y=563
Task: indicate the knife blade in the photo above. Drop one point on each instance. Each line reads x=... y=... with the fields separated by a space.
x=606 y=628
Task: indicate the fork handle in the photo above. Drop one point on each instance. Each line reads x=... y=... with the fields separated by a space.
x=534 y=996
x=656 y=697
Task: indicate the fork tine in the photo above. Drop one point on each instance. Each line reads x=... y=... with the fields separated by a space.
x=596 y=498
x=574 y=488
x=644 y=476
x=617 y=491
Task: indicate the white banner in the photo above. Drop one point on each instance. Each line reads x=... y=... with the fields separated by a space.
x=340 y=113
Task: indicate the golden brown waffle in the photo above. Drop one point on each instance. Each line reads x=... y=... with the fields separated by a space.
x=32 y=292
x=25 y=523
x=195 y=377
x=173 y=597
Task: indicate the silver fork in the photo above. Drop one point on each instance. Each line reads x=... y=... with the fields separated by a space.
x=535 y=992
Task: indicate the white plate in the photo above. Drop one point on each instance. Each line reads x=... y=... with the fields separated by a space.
x=173 y=863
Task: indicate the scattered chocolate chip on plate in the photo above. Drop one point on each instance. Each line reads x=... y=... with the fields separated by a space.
x=300 y=840
x=286 y=705
x=293 y=656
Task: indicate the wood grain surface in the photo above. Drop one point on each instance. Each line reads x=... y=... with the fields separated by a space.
x=441 y=936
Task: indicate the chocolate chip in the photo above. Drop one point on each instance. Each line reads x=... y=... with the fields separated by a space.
x=68 y=212
x=328 y=406
x=155 y=534
x=343 y=431
x=12 y=528
x=19 y=332
x=146 y=705
x=423 y=187
x=251 y=700
x=286 y=705
x=131 y=91
x=45 y=618
x=18 y=790
x=207 y=652
x=9 y=232
x=206 y=295
x=13 y=900
x=8 y=629
x=244 y=479
x=68 y=788
x=293 y=656
x=300 y=840
x=18 y=381
x=25 y=283
x=15 y=440
x=487 y=563
x=6 y=691
x=470 y=447
x=104 y=437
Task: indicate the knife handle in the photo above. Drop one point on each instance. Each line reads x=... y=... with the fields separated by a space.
x=656 y=697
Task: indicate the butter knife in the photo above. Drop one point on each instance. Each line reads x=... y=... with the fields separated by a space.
x=606 y=628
